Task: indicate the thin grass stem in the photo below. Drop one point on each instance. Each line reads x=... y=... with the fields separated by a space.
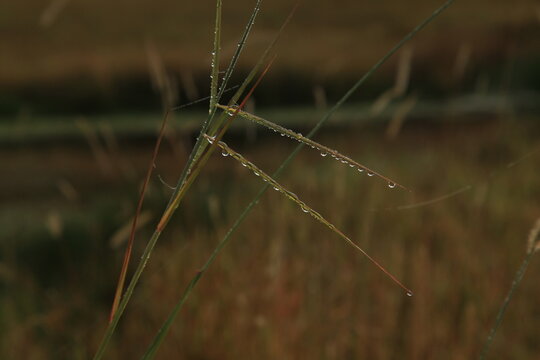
x=532 y=248
x=224 y=241
x=129 y=248
x=214 y=75
x=305 y=208
x=324 y=150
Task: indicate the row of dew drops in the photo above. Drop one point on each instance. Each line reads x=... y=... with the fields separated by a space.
x=226 y=151
x=300 y=138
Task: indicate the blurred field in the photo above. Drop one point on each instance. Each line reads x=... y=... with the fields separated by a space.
x=63 y=56
x=286 y=287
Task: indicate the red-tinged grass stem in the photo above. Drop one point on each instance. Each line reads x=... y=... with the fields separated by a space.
x=129 y=248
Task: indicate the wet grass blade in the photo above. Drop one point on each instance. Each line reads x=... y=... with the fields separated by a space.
x=324 y=150
x=305 y=208
x=200 y=144
x=214 y=76
x=201 y=161
x=325 y=118
x=224 y=241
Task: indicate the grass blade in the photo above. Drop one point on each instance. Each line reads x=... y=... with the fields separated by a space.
x=129 y=248
x=214 y=76
x=324 y=150
x=305 y=208
x=200 y=144
x=224 y=241
x=160 y=336
x=533 y=245
x=238 y=51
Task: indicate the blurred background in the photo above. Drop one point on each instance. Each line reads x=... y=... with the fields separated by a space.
x=454 y=116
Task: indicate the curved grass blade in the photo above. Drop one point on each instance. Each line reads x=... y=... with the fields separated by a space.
x=324 y=150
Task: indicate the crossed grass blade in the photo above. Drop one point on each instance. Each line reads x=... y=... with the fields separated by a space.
x=119 y=307
x=160 y=336
x=324 y=150
x=305 y=208
x=187 y=177
x=200 y=145
x=224 y=241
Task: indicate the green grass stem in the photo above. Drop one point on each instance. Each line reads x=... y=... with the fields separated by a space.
x=532 y=248
x=189 y=289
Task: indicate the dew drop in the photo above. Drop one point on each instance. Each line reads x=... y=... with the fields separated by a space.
x=391 y=185
x=282 y=134
x=275 y=188
x=304 y=209
x=360 y=169
x=256 y=173
x=344 y=161
x=351 y=165
x=370 y=173
x=323 y=154
x=224 y=153
x=410 y=293
x=244 y=165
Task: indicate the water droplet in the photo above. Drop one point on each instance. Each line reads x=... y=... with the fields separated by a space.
x=224 y=153
x=344 y=161
x=410 y=293
x=391 y=185
x=256 y=173
x=369 y=173
x=352 y=165
x=244 y=165
x=282 y=134
x=275 y=188
x=323 y=154
x=211 y=139
x=304 y=208
x=360 y=169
